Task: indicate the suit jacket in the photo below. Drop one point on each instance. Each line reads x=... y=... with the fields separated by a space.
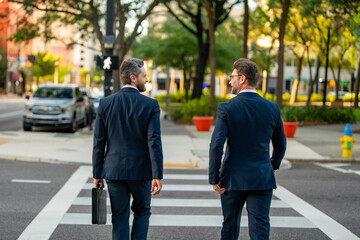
x=248 y=122
x=127 y=141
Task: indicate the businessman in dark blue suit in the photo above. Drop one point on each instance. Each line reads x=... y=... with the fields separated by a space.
x=246 y=174
x=127 y=151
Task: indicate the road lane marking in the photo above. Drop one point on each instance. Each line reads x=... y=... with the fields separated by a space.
x=171 y=202
x=47 y=220
x=192 y=220
x=29 y=181
x=11 y=114
x=336 y=167
x=327 y=225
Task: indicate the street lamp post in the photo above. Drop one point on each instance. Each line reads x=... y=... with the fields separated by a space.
x=108 y=42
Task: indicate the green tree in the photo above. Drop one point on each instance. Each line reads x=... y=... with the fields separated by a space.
x=191 y=17
x=89 y=16
x=166 y=48
x=44 y=65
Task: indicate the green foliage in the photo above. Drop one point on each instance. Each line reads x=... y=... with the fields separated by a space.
x=44 y=65
x=178 y=97
x=322 y=114
x=195 y=107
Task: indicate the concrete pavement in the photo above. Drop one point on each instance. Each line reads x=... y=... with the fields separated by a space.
x=183 y=146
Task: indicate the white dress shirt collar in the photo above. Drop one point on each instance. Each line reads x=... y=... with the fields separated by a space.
x=248 y=90
x=130 y=86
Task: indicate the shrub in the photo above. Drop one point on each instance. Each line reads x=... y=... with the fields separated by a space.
x=286 y=97
x=179 y=96
x=316 y=97
x=301 y=98
x=322 y=114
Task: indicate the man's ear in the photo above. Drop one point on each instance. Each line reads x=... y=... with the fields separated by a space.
x=242 y=79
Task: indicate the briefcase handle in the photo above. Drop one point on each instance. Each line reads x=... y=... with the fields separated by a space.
x=98 y=186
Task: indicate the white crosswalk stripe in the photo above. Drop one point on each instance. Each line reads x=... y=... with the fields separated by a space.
x=168 y=210
x=164 y=202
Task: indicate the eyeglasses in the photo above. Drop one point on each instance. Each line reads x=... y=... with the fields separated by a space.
x=231 y=76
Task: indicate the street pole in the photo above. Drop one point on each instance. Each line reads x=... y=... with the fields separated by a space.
x=110 y=16
x=326 y=65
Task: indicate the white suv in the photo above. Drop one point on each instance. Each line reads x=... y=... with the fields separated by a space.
x=55 y=106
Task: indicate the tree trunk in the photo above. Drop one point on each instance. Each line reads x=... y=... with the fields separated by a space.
x=357 y=81
x=338 y=81
x=210 y=14
x=279 y=86
x=311 y=82
x=294 y=90
x=167 y=86
x=203 y=53
x=316 y=78
x=186 y=86
x=246 y=28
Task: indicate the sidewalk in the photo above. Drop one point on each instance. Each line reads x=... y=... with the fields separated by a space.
x=183 y=146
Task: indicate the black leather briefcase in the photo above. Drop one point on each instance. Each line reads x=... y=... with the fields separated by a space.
x=98 y=205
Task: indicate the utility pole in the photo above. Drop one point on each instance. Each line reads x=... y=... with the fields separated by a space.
x=108 y=42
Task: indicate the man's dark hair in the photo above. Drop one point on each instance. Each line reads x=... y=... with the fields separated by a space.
x=130 y=67
x=249 y=69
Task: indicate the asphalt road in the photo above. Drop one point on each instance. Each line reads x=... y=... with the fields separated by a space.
x=334 y=193
x=11 y=114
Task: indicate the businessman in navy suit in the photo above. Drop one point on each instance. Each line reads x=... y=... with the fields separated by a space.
x=246 y=174
x=127 y=151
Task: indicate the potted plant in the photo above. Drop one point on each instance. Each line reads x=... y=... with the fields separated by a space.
x=198 y=110
x=290 y=121
x=203 y=123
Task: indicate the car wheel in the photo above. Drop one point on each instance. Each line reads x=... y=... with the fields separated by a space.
x=27 y=128
x=73 y=127
x=84 y=122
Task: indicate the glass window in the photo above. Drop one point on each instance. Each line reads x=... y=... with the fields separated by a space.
x=54 y=93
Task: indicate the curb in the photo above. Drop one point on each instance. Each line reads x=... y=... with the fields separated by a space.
x=198 y=162
x=39 y=160
x=326 y=160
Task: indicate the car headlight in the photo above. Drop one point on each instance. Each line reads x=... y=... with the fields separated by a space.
x=28 y=108
x=66 y=110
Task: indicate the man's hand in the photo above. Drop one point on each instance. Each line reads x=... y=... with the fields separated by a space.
x=100 y=181
x=218 y=189
x=156 y=186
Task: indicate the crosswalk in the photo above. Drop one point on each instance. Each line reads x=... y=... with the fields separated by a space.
x=188 y=183
x=187 y=208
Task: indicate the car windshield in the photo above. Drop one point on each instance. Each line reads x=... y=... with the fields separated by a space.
x=83 y=92
x=54 y=93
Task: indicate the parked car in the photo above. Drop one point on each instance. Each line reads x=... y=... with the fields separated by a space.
x=89 y=103
x=62 y=107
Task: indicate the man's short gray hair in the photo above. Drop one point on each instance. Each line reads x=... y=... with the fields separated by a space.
x=130 y=67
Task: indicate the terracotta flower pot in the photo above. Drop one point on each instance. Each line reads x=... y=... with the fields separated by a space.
x=290 y=128
x=203 y=123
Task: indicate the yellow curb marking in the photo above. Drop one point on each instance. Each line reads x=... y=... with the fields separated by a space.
x=185 y=165
x=1 y=143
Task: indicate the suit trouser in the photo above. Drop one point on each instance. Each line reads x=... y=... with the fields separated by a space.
x=258 y=208
x=119 y=192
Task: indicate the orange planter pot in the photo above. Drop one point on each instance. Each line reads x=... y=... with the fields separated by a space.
x=290 y=128
x=203 y=123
